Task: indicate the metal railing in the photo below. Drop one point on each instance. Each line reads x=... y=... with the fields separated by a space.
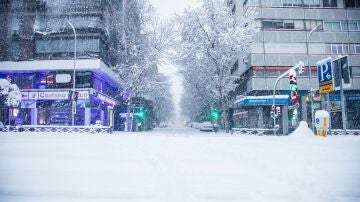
x=56 y=129
x=347 y=132
x=253 y=131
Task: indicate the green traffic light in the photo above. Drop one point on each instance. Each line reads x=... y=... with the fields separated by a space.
x=215 y=115
x=141 y=114
x=293 y=87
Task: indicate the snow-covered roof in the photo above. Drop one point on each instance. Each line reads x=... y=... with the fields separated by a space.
x=95 y=65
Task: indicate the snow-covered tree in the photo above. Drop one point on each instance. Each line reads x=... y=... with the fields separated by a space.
x=142 y=40
x=159 y=94
x=211 y=40
x=10 y=93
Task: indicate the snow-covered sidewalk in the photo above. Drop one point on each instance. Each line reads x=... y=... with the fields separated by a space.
x=179 y=165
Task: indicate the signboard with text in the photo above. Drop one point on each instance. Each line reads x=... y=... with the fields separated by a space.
x=325 y=75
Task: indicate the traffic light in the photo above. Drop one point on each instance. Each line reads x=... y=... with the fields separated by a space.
x=141 y=114
x=76 y=96
x=293 y=82
x=215 y=115
x=70 y=95
x=294 y=97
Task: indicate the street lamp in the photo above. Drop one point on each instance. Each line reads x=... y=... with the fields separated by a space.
x=73 y=108
x=310 y=74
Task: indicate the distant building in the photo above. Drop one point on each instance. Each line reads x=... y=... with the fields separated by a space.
x=37 y=50
x=282 y=42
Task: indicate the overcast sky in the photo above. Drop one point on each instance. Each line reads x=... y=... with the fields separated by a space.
x=166 y=9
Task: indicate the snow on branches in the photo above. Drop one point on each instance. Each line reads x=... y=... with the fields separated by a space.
x=11 y=92
x=211 y=40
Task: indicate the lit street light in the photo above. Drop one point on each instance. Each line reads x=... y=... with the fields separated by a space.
x=310 y=74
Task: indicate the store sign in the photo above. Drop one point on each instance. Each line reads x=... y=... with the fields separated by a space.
x=62 y=78
x=83 y=95
x=26 y=95
x=53 y=95
x=262 y=102
x=106 y=99
x=325 y=75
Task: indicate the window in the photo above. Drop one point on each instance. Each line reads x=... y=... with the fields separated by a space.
x=336 y=48
x=311 y=3
x=352 y=3
x=289 y=24
x=66 y=45
x=329 y=3
x=272 y=24
x=342 y=26
x=355 y=71
x=310 y=24
x=354 y=26
x=355 y=48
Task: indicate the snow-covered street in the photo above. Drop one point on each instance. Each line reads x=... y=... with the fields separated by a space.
x=178 y=164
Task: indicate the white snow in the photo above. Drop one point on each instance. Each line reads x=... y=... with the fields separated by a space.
x=11 y=92
x=178 y=165
x=302 y=131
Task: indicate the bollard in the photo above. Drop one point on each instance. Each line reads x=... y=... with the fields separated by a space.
x=322 y=122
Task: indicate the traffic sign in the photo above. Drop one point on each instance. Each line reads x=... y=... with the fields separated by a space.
x=341 y=73
x=325 y=75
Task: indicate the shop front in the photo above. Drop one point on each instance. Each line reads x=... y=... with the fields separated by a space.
x=53 y=107
x=255 y=112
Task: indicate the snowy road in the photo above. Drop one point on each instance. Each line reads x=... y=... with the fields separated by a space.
x=168 y=165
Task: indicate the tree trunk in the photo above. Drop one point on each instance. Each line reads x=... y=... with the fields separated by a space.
x=225 y=115
x=128 y=121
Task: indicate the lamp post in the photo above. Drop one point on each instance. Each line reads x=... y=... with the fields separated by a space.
x=297 y=66
x=310 y=74
x=73 y=108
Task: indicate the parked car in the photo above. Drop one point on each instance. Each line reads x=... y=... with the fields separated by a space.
x=208 y=126
x=1 y=126
x=162 y=125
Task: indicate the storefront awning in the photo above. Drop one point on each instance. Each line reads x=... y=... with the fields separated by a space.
x=262 y=100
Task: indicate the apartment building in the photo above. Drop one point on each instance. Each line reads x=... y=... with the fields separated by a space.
x=284 y=39
x=37 y=53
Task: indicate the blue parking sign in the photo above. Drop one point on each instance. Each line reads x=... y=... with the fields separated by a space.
x=325 y=75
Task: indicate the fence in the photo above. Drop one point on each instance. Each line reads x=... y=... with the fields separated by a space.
x=348 y=132
x=252 y=131
x=264 y=131
x=56 y=129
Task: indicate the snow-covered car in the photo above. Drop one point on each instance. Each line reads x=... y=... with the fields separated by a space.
x=208 y=126
x=162 y=125
x=1 y=126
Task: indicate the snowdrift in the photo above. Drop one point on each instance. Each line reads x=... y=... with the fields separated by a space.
x=302 y=131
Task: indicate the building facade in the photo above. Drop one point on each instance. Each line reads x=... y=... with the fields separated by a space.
x=37 y=53
x=284 y=39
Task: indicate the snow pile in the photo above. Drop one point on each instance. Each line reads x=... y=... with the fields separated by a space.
x=302 y=130
x=11 y=92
